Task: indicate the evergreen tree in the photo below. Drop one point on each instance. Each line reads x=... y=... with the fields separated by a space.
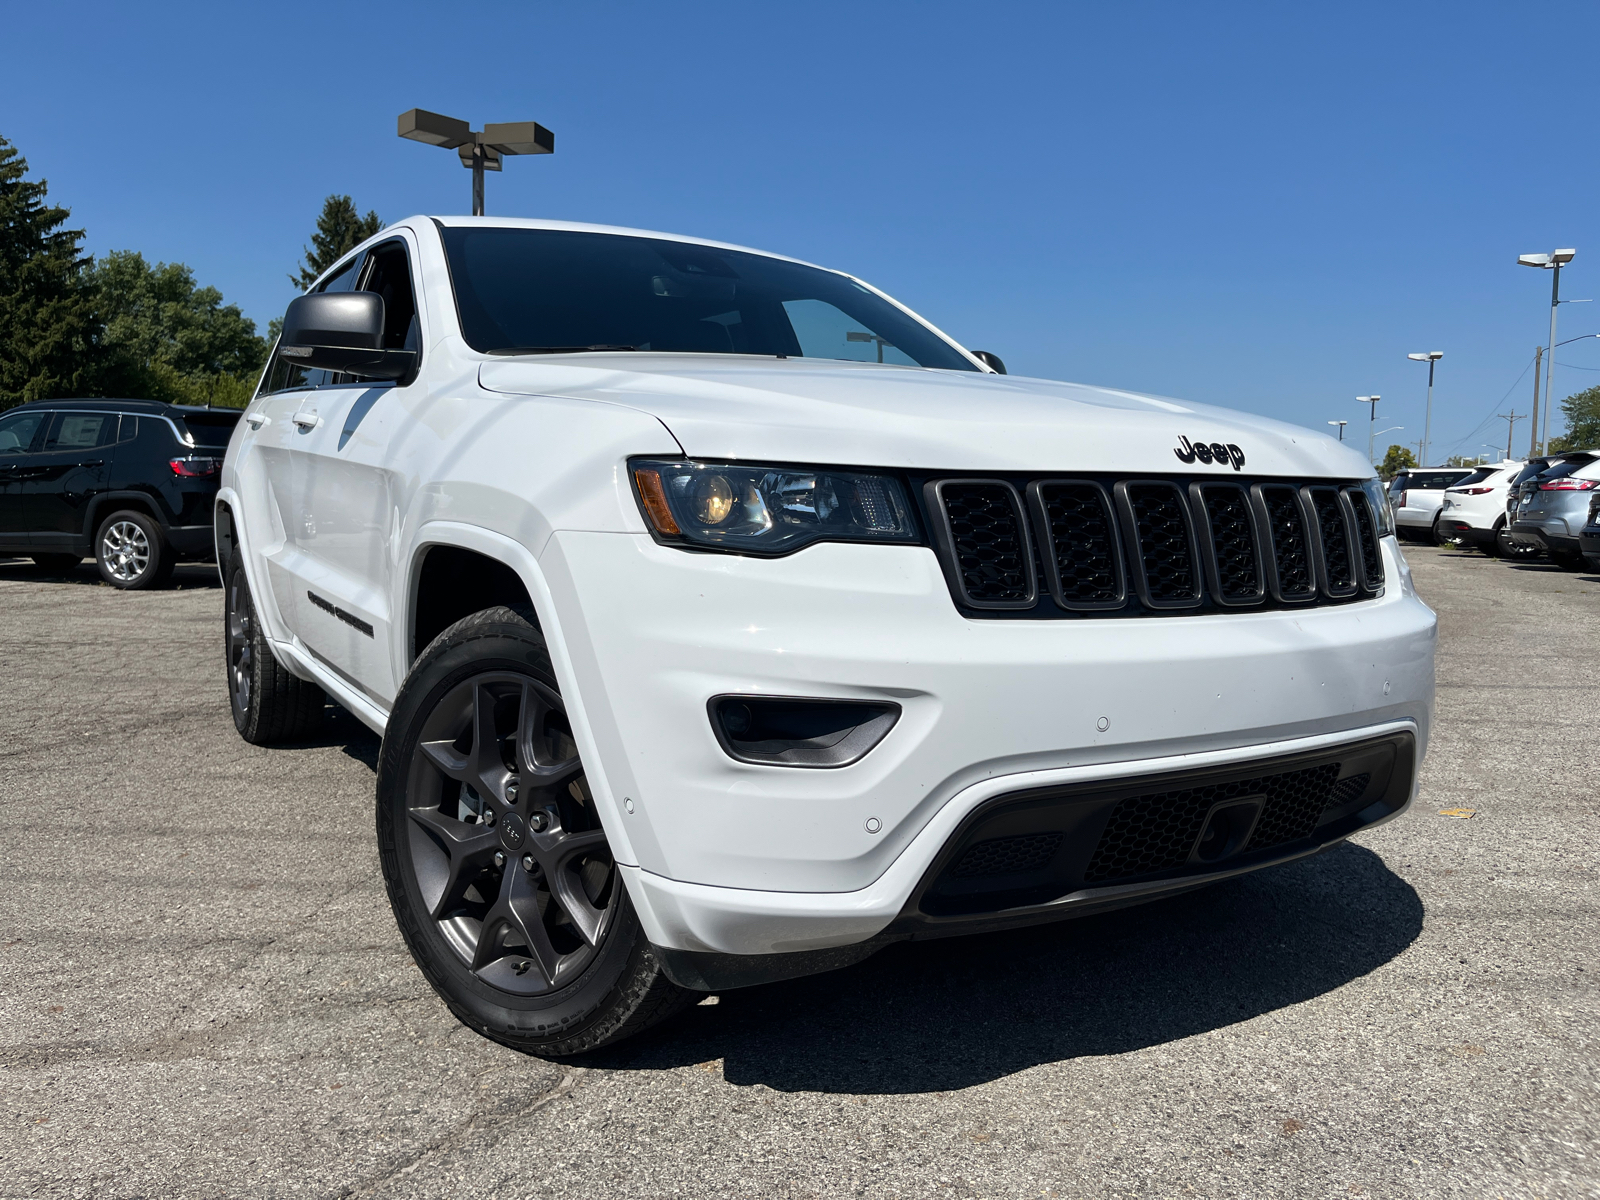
x=48 y=329
x=1582 y=411
x=339 y=230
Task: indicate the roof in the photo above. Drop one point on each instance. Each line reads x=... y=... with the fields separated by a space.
x=153 y=407
x=620 y=230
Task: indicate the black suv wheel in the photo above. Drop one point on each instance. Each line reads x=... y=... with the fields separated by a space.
x=496 y=863
x=130 y=551
x=269 y=704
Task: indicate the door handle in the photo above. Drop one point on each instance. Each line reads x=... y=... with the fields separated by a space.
x=257 y=420
x=306 y=420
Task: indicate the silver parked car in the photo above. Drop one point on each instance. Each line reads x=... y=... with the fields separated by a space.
x=1415 y=494
x=1553 y=506
x=1589 y=539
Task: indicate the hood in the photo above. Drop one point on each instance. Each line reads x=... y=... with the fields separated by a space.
x=801 y=410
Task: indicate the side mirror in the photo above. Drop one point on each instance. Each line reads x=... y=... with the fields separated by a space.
x=341 y=331
x=991 y=361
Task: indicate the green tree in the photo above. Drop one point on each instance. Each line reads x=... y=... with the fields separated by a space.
x=339 y=230
x=1582 y=412
x=167 y=339
x=1397 y=458
x=47 y=319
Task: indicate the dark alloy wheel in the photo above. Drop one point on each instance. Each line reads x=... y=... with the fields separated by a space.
x=497 y=864
x=269 y=704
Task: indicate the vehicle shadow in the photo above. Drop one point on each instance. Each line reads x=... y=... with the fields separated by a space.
x=185 y=576
x=342 y=731
x=939 y=1015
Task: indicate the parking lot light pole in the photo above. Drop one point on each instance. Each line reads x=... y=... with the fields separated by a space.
x=1430 y=357
x=1341 y=425
x=1553 y=261
x=1372 y=419
x=480 y=151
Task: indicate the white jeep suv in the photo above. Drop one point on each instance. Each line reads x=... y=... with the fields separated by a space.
x=725 y=621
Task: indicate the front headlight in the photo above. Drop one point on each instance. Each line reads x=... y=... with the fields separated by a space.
x=1379 y=495
x=769 y=510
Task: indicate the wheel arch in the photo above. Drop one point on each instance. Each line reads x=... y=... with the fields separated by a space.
x=109 y=502
x=509 y=555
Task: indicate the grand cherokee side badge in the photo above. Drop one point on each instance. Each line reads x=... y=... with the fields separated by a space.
x=1217 y=452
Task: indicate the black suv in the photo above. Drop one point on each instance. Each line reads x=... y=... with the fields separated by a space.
x=129 y=481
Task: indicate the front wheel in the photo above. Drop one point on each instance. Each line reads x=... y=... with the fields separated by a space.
x=496 y=863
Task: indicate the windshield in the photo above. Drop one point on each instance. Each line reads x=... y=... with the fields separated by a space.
x=1477 y=476
x=534 y=291
x=1564 y=467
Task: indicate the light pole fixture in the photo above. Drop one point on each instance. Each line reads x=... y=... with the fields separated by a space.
x=479 y=152
x=1430 y=357
x=1372 y=419
x=1553 y=261
x=1341 y=425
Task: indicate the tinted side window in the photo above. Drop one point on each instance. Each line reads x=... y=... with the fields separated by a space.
x=19 y=431
x=389 y=275
x=81 y=431
x=128 y=429
x=284 y=376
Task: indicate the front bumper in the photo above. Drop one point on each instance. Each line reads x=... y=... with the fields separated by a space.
x=741 y=858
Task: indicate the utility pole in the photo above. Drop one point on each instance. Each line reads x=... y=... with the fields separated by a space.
x=1533 y=445
x=1511 y=418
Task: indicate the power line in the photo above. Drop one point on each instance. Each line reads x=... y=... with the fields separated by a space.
x=1492 y=414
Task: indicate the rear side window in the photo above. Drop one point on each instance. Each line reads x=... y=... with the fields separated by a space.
x=81 y=431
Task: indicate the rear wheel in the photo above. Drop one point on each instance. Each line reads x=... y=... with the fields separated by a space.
x=497 y=866
x=130 y=551
x=1567 y=560
x=269 y=704
x=58 y=564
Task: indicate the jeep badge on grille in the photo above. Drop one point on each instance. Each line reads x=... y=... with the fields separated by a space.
x=1217 y=452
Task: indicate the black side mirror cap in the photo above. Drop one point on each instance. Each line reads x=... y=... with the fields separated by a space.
x=342 y=331
x=992 y=361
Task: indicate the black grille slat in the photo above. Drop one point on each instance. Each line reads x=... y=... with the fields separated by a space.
x=987 y=539
x=1156 y=832
x=1161 y=544
x=1291 y=543
x=1016 y=855
x=1235 y=563
x=1079 y=536
x=1366 y=539
x=1104 y=547
x=1333 y=536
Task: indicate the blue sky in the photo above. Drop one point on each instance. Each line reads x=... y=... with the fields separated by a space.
x=1260 y=206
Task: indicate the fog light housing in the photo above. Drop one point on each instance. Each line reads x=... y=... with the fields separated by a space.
x=789 y=731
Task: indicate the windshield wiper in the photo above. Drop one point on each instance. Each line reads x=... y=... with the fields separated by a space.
x=556 y=349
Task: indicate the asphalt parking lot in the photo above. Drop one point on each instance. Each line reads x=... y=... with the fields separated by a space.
x=203 y=992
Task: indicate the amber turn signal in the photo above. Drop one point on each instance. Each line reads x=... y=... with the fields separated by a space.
x=655 y=500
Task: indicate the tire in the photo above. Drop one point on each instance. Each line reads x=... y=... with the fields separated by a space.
x=1567 y=560
x=57 y=564
x=1492 y=546
x=130 y=551
x=466 y=856
x=269 y=704
x=1433 y=533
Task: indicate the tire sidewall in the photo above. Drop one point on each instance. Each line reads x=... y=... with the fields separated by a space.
x=159 y=554
x=560 y=1015
x=242 y=718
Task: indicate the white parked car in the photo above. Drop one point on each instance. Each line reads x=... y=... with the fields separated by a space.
x=1473 y=509
x=725 y=621
x=1416 y=495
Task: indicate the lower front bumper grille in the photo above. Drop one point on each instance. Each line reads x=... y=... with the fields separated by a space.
x=1035 y=848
